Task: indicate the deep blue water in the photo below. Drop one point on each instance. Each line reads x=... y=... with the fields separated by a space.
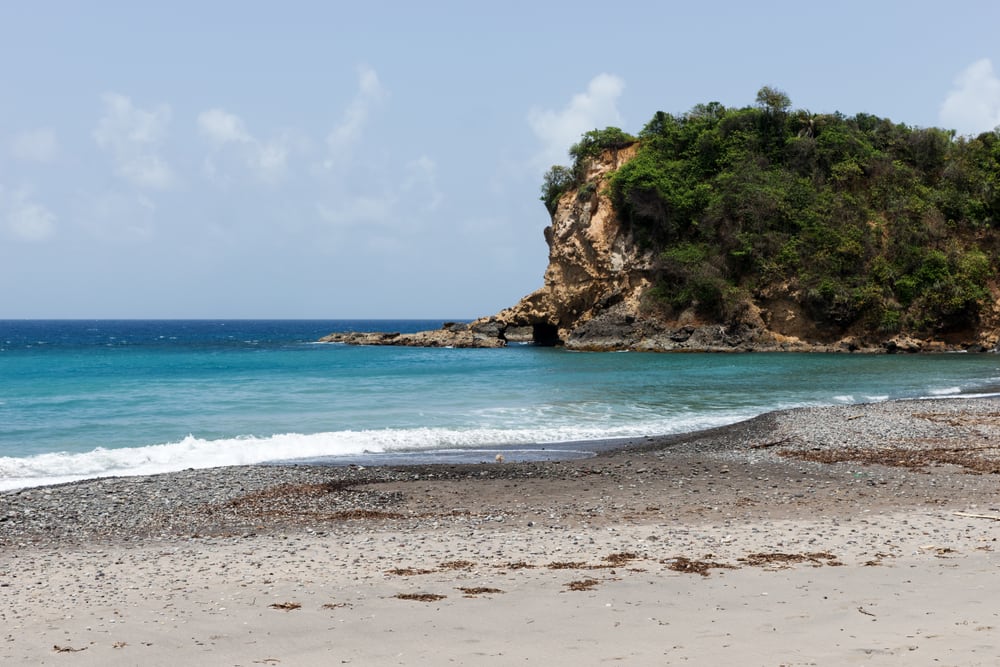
x=89 y=398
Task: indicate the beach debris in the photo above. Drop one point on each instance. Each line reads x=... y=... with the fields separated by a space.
x=877 y=560
x=977 y=516
x=336 y=605
x=516 y=565
x=420 y=597
x=773 y=443
x=866 y=613
x=582 y=584
x=457 y=565
x=471 y=592
x=119 y=645
x=499 y=458
x=355 y=514
x=408 y=571
x=691 y=566
x=785 y=560
x=67 y=649
x=567 y=565
x=913 y=458
x=286 y=606
x=621 y=558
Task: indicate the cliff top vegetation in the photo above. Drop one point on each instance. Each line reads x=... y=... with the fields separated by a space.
x=868 y=225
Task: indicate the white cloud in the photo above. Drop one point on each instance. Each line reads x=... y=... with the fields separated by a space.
x=132 y=136
x=973 y=105
x=267 y=159
x=594 y=109
x=26 y=220
x=351 y=127
x=117 y=217
x=39 y=145
x=223 y=127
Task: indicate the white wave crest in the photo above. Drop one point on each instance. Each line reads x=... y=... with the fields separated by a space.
x=192 y=452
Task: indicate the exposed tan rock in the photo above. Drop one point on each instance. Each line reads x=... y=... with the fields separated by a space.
x=595 y=266
x=594 y=298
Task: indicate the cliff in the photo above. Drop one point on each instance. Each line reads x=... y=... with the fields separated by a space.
x=597 y=274
x=762 y=228
x=597 y=296
x=594 y=296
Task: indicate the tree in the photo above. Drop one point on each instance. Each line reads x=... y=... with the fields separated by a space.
x=556 y=182
x=773 y=100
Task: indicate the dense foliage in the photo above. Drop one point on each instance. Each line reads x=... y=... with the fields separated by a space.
x=866 y=222
x=558 y=180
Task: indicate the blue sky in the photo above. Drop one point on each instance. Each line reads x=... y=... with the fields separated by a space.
x=329 y=160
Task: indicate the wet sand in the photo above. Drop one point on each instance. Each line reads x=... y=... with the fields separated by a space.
x=858 y=535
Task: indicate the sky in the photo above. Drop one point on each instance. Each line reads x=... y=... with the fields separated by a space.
x=383 y=159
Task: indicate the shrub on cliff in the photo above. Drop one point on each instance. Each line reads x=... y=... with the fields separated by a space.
x=873 y=224
x=559 y=179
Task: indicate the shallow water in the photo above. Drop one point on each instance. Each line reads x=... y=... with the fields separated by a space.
x=91 y=398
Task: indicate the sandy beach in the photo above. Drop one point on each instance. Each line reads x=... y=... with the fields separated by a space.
x=854 y=535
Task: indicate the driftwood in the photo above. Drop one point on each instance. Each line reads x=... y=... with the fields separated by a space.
x=977 y=516
x=765 y=445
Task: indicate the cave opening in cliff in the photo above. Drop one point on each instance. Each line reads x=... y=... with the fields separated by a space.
x=544 y=334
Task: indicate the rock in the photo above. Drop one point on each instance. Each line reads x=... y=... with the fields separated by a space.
x=902 y=343
x=454 y=336
x=594 y=297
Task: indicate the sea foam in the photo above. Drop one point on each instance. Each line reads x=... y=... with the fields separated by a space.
x=193 y=452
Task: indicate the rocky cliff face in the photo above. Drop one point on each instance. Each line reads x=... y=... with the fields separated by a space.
x=594 y=297
x=594 y=293
x=596 y=270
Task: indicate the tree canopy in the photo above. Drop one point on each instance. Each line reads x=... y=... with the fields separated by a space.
x=868 y=222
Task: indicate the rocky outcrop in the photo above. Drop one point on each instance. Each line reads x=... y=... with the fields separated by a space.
x=594 y=297
x=597 y=274
x=450 y=335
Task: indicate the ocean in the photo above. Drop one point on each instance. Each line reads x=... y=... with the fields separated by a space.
x=82 y=399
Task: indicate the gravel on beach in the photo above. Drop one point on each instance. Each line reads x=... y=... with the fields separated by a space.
x=830 y=460
x=859 y=534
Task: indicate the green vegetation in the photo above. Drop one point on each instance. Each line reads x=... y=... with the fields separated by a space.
x=559 y=180
x=864 y=222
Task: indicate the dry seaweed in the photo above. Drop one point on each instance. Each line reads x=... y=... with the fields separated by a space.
x=690 y=566
x=516 y=565
x=582 y=584
x=784 y=559
x=968 y=458
x=457 y=565
x=347 y=515
x=567 y=565
x=478 y=590
x=620 y=559
x=420 y=597
x=408 y=571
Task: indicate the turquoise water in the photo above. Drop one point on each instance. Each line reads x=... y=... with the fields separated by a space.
x=82 y=399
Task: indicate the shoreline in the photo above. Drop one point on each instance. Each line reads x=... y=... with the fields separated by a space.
x=838 y=535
